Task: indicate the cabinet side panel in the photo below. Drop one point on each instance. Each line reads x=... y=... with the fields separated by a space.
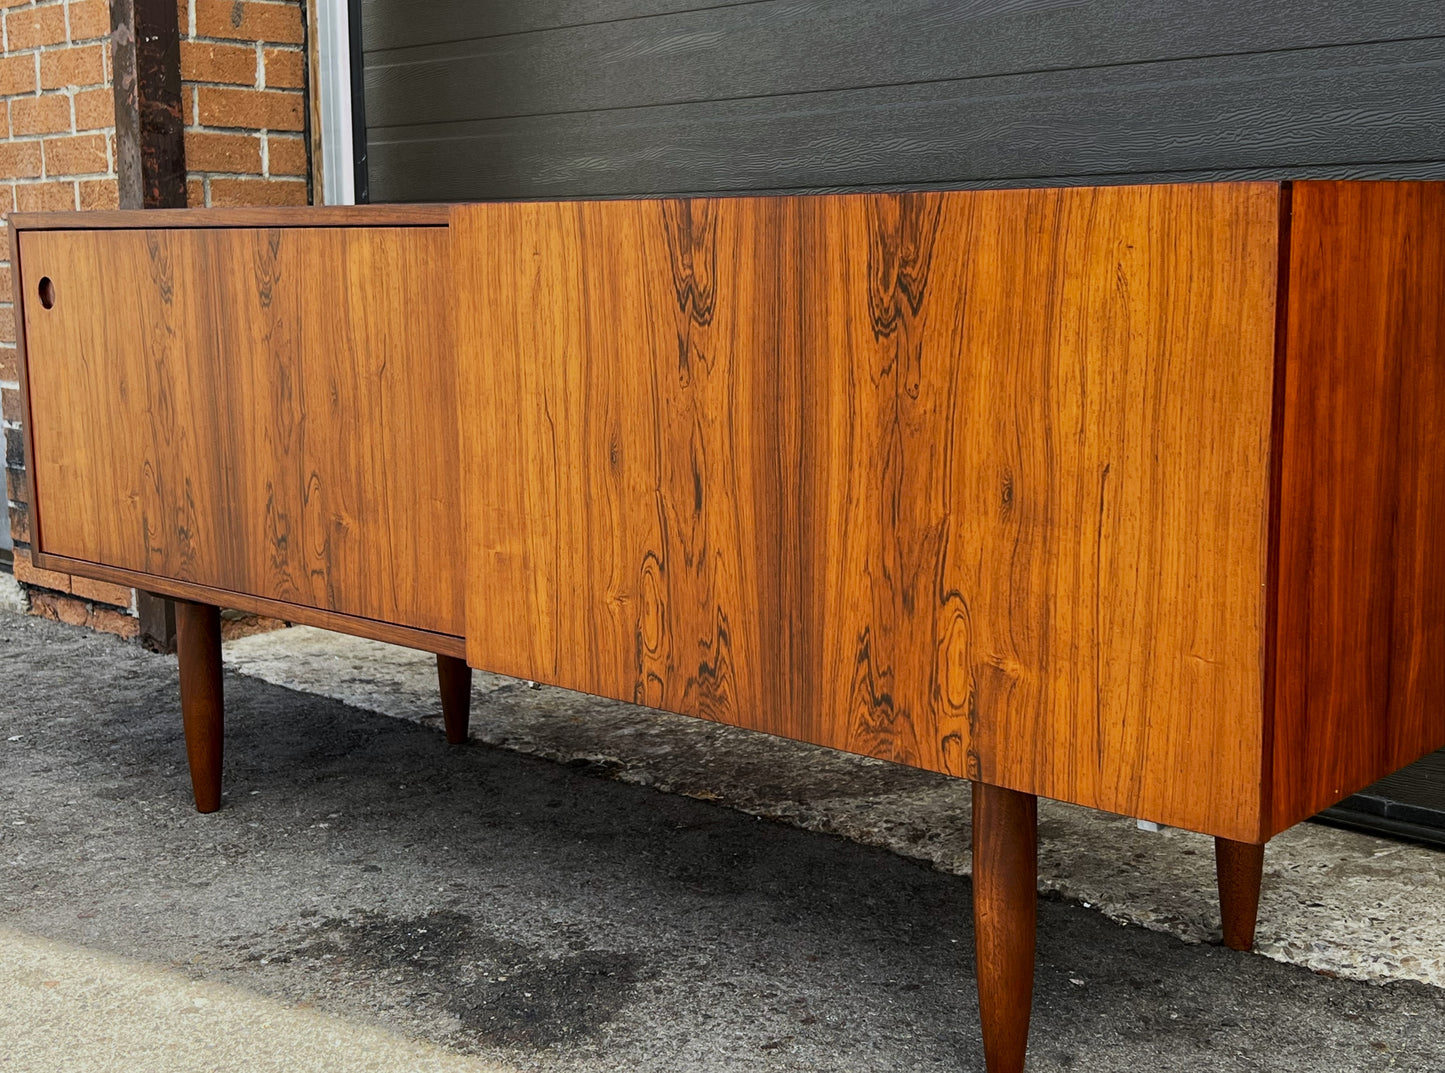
x=975 y=482
x=1360 y=683
x=269 y=412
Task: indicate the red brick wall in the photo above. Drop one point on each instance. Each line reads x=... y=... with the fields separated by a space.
x=243 y=66
x=243 y=71
x=57 y=151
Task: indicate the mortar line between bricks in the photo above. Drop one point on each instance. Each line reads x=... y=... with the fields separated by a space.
x=253 y=87
x=242 y=42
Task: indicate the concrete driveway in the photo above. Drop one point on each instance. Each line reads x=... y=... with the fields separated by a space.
x=370 y=898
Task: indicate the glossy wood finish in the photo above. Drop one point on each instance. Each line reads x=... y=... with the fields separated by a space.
x=1239 y=869
x=1005 y=907
x=198 y=654
x=454 y=678
x=1359 y=689
x=971 y=481
x=257 y=411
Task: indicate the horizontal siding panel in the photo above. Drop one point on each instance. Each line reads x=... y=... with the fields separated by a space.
x=397 y=23
x=789 y=47
x=1311 y=109
x=1396 y=171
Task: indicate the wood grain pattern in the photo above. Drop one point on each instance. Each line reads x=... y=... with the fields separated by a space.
x=971 y=481
x=268 y=412
x=1360 y=628
x=628 y=499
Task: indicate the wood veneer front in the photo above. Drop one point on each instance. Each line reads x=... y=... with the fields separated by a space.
x=972 y=481
x=1126 y=496
x=269 y=412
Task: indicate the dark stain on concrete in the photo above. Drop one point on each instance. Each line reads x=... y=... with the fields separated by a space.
x=503 y=993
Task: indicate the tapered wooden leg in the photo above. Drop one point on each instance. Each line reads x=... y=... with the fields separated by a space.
x=455 y=679
x=198 y=649
x=1240 y=867
x=1005 y=897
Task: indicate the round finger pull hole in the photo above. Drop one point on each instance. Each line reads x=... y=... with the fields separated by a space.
x=47 y=292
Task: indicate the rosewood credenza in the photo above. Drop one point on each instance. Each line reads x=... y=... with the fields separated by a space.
x=1128 y=496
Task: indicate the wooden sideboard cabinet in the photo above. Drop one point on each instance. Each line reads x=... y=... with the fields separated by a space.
x=1125 y=496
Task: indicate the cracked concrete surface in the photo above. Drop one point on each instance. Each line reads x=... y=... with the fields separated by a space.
x=565 y=917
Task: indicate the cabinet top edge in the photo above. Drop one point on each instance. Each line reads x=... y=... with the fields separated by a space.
x=298 y=216
x=438 y=214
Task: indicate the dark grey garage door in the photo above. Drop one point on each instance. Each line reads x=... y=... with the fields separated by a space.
x=480 y=99
x=471 y=99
